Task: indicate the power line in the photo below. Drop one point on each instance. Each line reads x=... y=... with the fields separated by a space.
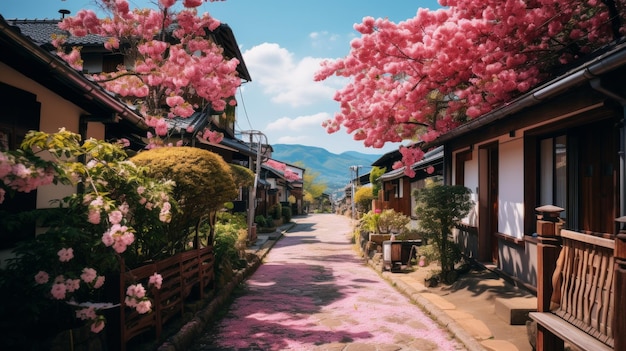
x=243 y=105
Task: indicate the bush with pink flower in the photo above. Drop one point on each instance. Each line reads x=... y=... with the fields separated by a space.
x=59 y=279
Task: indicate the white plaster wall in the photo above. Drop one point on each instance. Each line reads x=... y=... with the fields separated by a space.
x=511 y=188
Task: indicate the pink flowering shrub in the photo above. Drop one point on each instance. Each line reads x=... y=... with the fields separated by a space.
x=58 y=279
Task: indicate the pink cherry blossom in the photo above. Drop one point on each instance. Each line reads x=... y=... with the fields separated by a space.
x=119 y=237
x=115 y=217
x=420 y=78
x=136 y=291
x=65 y=255
x=88 y=275
x=192 y=3
x=86 y=313
x=58 y=291
x=177 y=72
x=156 y=280
x=144 y=306
x=42 y=277
x=93 y=216
x=130 y=301
x=72 y=285
x=99 y=282
x=212 y=136
x=124 y=207
x=165 y=215
x=97 y=326
x=167 y=3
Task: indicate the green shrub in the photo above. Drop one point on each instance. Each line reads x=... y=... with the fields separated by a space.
x=363 y=198
x=438 y=209
x=369 y=222
x=286 y=214
x=391 y=221
x=260 y=221
x=276 y=211
x=203 y=184
x=229 y=244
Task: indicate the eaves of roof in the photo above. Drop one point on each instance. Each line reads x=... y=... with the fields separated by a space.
x=387 y=158
x=431 y=158
x=47 y=69
x=240 y=146
x=272 y=170
x=226 y=39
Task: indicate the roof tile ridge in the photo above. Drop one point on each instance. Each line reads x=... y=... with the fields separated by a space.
x=33 y=21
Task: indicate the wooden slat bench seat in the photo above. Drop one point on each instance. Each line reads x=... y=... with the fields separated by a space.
x=567 y=332
x=583 y=295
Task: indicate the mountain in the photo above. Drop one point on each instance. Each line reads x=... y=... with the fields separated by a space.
x=332 y=169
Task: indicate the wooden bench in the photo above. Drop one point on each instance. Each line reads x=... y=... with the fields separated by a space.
x=582 y=303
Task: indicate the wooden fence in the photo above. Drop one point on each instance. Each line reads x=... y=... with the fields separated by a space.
x=181 y=274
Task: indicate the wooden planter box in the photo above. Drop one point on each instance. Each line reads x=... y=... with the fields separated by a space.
x=379 y=238
x=398 y=253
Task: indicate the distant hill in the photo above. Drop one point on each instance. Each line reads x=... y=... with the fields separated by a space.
x=333 y=169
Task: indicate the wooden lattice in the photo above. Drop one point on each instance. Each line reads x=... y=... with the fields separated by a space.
x=586 y=299
x=181 y=274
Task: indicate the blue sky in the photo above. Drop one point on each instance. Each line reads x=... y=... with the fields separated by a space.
x=283 y=42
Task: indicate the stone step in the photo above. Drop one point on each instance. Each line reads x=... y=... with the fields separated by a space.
x=514 y=310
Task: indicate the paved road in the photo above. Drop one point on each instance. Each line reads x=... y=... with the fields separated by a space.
x=313 y=292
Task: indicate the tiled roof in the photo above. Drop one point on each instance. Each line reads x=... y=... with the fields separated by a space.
x=430 y=158
x=40 y=31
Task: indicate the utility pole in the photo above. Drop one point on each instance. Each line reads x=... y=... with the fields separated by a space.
x=261 y=139
x=354 y=170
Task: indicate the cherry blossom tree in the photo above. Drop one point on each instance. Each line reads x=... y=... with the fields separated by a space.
x=172 y=67
x=422 y=77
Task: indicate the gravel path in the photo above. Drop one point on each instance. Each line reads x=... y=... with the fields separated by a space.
x=313 y=292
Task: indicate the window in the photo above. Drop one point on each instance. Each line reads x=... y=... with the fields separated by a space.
x=553 y=172
x=461 y=158
x=399 y=188
x=577 y=170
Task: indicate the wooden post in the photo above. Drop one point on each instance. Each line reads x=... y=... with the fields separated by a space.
x=619 y=322
x=548 y=249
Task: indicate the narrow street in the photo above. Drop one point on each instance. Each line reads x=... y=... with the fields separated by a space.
x=313 y=292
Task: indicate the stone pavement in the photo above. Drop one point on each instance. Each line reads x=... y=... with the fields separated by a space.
x=467 y=308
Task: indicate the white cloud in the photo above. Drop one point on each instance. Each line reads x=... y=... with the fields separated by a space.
x=287 y=80
x=299 y=124
x=323 y=37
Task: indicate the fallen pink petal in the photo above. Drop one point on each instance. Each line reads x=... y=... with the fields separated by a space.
x=313 y=291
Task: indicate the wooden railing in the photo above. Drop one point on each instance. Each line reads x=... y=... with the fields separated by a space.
x=586 y=296
x=577 y=292
x=181 y=274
